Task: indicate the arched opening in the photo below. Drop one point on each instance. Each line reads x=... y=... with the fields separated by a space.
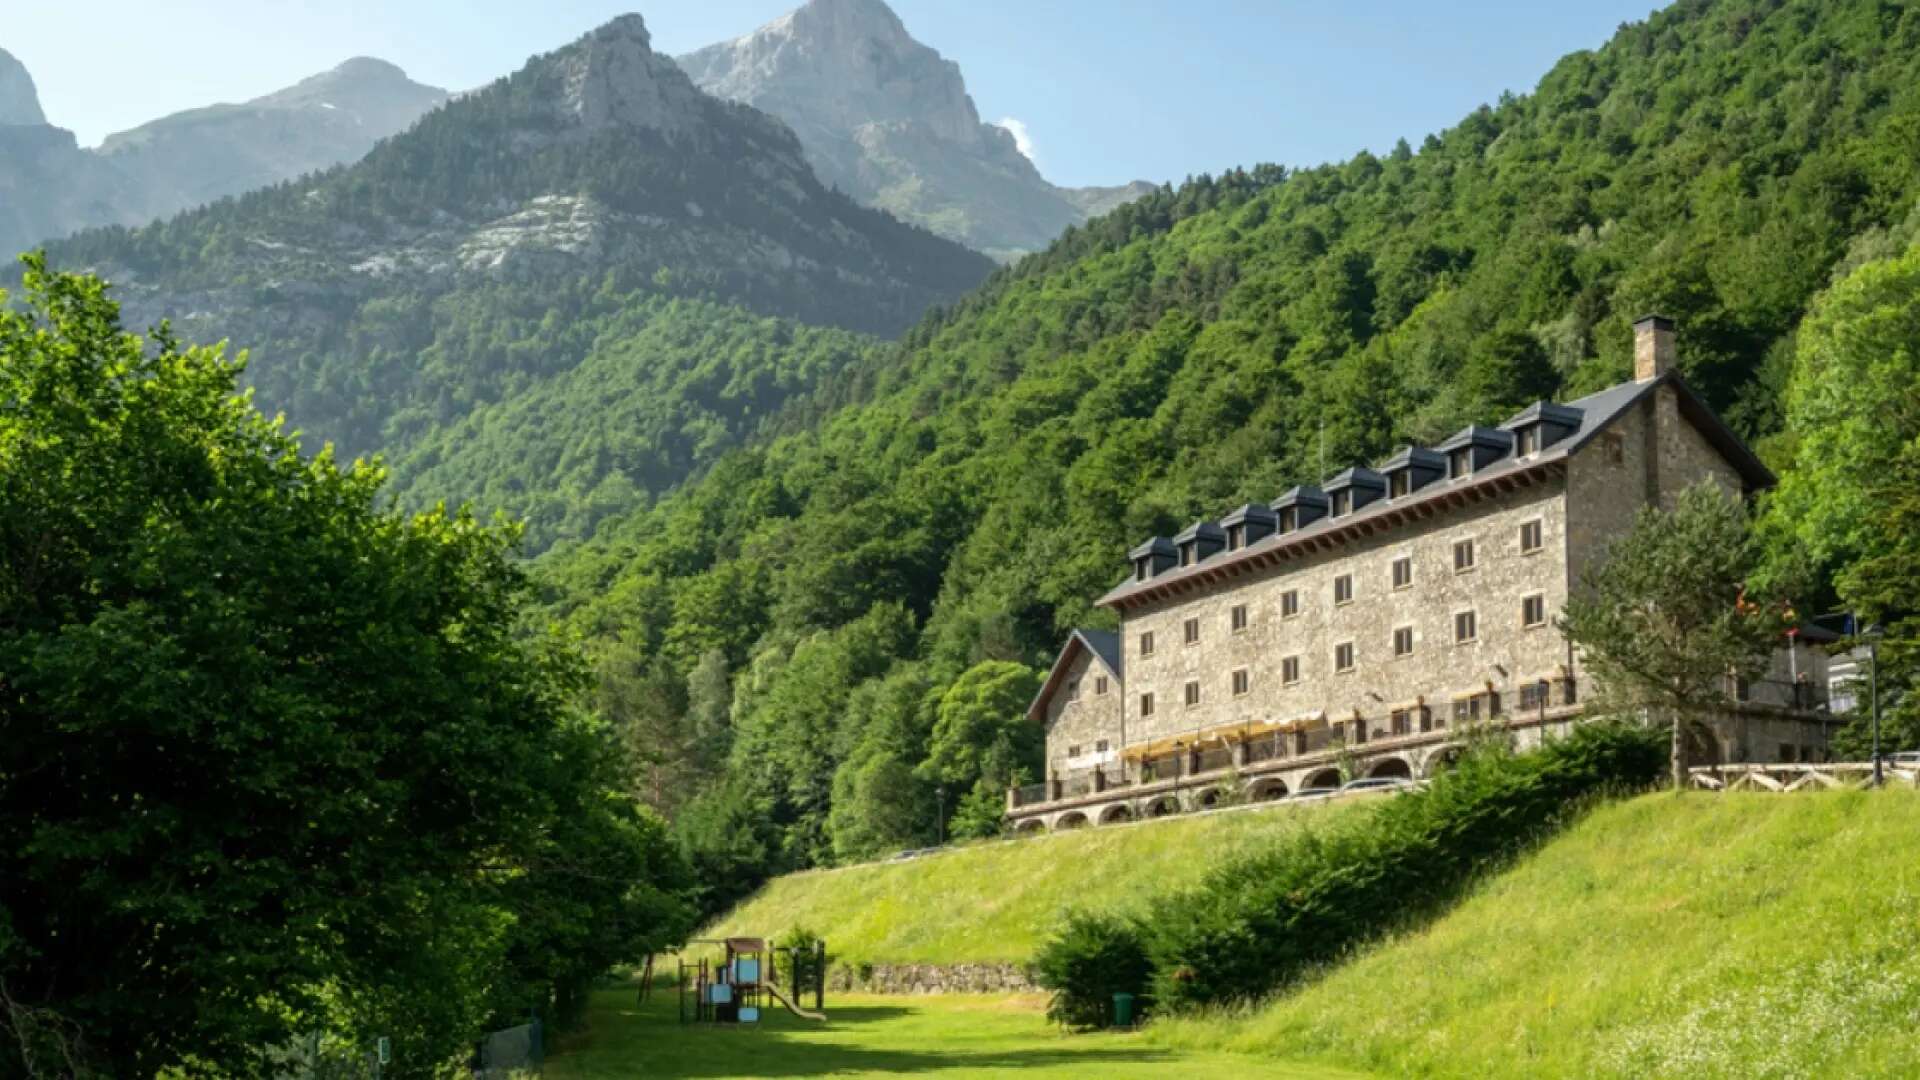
x=1163 y=807
x=1443 y=759
x=1074 y=820
x=1324 y=780
x=1390 y=768
x=1031 y=825
x=1211 y=798
x=1269 y=790
x=1115 y=814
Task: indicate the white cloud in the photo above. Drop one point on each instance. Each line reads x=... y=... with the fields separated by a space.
x=1022 y=138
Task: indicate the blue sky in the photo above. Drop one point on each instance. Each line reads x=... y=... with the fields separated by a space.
x=1109 y=90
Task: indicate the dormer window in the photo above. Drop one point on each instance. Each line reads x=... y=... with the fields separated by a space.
x=1529 y=439
x=1289 y=520
x=1186 y=554
x=1460 y=462
x=1401 y=484
x=1236 y=537
x=1342 y=503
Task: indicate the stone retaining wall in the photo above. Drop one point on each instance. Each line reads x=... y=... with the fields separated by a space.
x=928 y=978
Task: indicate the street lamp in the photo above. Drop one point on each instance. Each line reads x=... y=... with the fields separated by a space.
x=940 y=815
x=1872 y=634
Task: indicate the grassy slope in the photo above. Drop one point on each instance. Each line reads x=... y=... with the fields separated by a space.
x=994 y=902
x=958 y=1036
x=1745 y=935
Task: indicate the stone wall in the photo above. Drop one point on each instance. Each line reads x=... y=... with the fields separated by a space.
x=928 y=979
x=1084 y=719
x=1504 y=652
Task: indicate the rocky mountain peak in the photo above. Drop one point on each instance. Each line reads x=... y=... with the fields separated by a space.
x=845 y=64
x=612 y=76
x=19 y=101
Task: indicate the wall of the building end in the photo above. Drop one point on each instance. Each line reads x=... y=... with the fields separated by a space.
x=1086 y=722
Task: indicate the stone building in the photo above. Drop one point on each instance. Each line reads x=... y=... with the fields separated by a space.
x=1360 y=627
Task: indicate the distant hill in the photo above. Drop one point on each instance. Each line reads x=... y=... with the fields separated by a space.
x=888 y=120
x=473 y=255
x=53 y=188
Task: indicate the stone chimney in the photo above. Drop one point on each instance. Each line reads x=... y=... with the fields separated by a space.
x=1652 y=347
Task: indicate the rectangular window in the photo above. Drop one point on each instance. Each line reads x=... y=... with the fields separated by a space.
x=1240 y=682
x=1343 y=656
x=1402 y=722
x=1530 y=537
x=1238 y=618
x=1460 y=462
x=1073 y=751
x=1476 y=707
x=1146 y=704
x=1529 y=439
x=1534 y=695
x=1462 y=556
x=1533 y=610
x=1236 y=537
x=1615 y=446
x=1403 y=572
x=1100 y=686
x=1290 y=671
x=1343 y=589
x=1187 y=554
x=1100 y=747
x=1193 y=692
x=1140 y=572
x=1191 y=630
x=1402 y=483
x=1146 y=643
x=1073 y=690
x=1342 y=502
x=1465 y=628
x=1290 y=603
x=1403 y=641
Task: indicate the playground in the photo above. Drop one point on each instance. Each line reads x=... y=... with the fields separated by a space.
x=959 y=1036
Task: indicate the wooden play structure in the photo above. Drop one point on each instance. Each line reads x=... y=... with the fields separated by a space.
x=745 y=981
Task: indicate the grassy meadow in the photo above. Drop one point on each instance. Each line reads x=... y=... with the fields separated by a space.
x=995 y=902
x=958 y=1036
x=1745 y=935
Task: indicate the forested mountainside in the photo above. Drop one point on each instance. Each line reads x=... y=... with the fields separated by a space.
x=889 y=121
x=50 y=187
x=831 y=627
x=483 y=251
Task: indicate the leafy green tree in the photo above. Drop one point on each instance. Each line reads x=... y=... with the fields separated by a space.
x=1848 y=500
x=982 y=741
x=1665 y=618
x=269 y=755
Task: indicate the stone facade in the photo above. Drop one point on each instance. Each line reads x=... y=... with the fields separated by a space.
x=929 y=979
x=1363 y=643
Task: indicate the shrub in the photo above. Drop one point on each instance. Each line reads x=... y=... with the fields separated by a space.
x=1261 y=922
x=1091 y=958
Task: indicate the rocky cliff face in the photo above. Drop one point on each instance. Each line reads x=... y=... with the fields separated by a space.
x=19 y=101
x=52 y=188
x=889 y=121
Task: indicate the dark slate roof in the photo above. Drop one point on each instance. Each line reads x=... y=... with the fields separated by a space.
x=1565 y=416
x=1104 y=645
x=1199 y=529
x=1415 y=455
x=1159 y=545
x=1303 y=495
x=1358 y=476
x=1476 y=435
x=1597 y=412
x=1249 y=512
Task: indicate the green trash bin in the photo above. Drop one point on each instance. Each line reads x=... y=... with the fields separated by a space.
x=1123 y=1010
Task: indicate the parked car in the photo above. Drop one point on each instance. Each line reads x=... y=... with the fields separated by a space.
x=1376 y=783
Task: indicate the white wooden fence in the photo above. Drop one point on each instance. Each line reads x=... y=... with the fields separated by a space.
x=1827 y=776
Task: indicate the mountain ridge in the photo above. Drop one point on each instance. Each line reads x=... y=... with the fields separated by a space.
x=888 y=120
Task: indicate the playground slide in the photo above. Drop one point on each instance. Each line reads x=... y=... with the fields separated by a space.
x=804 y=1014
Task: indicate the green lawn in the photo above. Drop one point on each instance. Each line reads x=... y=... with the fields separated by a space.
x=995 y=902
x=956 y=1036
x=1700 y=936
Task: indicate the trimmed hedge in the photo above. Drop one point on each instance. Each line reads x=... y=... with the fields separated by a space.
x=1259 y=923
